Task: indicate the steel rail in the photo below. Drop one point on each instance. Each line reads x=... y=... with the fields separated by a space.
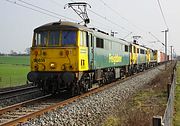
x=20 y=94
x=17 y=90
x=18 y=105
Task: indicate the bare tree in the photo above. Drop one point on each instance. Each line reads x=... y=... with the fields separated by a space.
x=27 y=51
x=13 y=53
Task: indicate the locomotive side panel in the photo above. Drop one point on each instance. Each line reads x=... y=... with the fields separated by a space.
x=141 y=55
x=105 y=59
x=158 y=56
x=109 y=53
x=162 y=57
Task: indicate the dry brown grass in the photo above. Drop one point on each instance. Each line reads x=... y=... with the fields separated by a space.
x=148 y=102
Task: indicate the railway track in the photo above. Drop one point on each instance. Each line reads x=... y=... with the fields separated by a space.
x=18 y=92
x=18 y=113
x=22 y=112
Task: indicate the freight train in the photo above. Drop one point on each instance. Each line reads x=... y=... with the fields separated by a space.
x=69 y=56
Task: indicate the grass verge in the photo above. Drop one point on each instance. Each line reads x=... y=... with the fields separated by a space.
x=177 y=98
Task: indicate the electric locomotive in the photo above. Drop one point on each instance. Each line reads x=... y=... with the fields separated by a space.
x=66 y=55
x=69 y=56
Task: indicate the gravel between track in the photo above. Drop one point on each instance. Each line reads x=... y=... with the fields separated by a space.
x=93 y=110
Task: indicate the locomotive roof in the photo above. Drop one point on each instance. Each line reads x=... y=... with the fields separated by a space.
x=61 y=25
x=76 y=26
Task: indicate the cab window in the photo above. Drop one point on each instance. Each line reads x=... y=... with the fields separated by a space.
x=126 y=48
x=137 y=50
x=83 y=39
x=142 y=51
x=54 y=38
x=68 y=38
x=40 y=39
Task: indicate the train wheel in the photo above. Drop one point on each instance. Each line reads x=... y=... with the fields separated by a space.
x=75 y=89
x=38 y=84
x=85 y=83
x=104 y=80
x=54 y=87
x=83 y=86
x=47 y=87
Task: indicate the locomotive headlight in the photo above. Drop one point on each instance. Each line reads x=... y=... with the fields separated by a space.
x=52 y=65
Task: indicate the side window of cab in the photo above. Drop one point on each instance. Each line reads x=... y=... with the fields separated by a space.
x=83 y=38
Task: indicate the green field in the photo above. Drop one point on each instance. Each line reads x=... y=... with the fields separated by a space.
x=177 y=98
x=20 y=60
x=13 y=70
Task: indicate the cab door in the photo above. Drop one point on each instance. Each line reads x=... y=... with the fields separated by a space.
x=133 y=54
x=148 y=56
x=130 y=52
x=91 y=50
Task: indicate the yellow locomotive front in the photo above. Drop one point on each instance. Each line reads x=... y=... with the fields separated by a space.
x=58 y=55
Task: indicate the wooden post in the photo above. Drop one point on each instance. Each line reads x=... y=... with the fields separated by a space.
x=168 y=90
x=157 y=120
x=172 y=77
x=171 y=54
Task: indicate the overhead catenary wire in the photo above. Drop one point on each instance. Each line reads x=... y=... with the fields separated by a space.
x=100 y=26
x=106 y=26
x=36 y=10
x=56 y=15
x=55 y=2
x=39 y=9
x=105 y=18
x=116 y=12
x=14 y=2
x=127 y=35
x=119 y=15
x=162 y=13
x=155 y=37
x=116 y=24
x=46 y=10
x=125 y=19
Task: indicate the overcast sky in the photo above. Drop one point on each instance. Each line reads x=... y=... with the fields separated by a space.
x=123 y=16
